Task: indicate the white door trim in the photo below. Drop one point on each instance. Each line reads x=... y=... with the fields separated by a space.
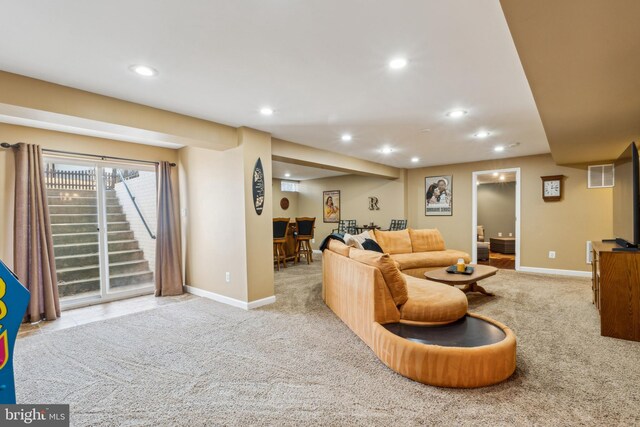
x=474 y=211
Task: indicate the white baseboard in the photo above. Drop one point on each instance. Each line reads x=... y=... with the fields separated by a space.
x=228 y=300
x=554 y=271
x=260 y=302
x=317 y=251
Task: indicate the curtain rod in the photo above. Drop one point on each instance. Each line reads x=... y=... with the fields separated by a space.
x=7 y=145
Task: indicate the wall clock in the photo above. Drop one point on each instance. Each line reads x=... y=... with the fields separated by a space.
x=284 y=203
x=552 y=187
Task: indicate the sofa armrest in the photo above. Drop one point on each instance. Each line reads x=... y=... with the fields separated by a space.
x=357 y=293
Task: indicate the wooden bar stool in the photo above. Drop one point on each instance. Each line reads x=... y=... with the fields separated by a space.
x=280 y=230
x=303 y=239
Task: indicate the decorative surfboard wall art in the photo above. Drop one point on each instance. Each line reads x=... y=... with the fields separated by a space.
x=14 y=299
x=258 y=187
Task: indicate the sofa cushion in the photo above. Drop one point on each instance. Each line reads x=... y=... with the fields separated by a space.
x=394 y=242
x=392 y=276
x=433 y=302
x=371 y=245
x=338 y=247
x=356 y=240
x=430 y=259
x=426 y=240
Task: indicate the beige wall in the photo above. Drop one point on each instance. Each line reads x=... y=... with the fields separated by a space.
x=49 y=103
x=222 y=232
x=278 y=194
x=66 y=142
x=212 y=193
x=354 y=200
x=563 y=226
x=497 y=209
x=259 y=228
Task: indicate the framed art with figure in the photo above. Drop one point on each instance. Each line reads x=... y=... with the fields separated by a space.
x=331 y=206
x=438 y=195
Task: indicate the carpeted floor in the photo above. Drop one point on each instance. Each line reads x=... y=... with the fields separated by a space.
x=198 y=362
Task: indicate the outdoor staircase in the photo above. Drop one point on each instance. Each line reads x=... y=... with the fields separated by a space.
x=74 y=223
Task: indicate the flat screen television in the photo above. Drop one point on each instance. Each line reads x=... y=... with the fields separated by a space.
x=626 y=199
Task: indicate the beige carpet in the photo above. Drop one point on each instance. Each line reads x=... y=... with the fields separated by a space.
x=198 y=362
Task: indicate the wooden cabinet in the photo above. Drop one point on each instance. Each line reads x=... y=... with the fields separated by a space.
x=616 y=291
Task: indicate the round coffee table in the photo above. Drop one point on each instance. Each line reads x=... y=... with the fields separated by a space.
x=469 y=280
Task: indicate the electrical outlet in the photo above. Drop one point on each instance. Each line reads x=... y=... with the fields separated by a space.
x=552 y=254
x=499 y=234
x=227 y=276
x=313 y=240
x=510 y=234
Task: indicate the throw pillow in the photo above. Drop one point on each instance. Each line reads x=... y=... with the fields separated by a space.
x=396 y=283
x=426 y=240
x=357 y=240
x=371 y=245
x=394 y=242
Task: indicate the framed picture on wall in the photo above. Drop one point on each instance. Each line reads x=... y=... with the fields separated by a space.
x=331 y=206
x=438 y=195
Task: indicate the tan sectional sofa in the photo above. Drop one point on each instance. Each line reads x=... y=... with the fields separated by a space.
x=367 y=291
x=418 y=251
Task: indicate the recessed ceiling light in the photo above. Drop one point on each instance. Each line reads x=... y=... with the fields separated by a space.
x=287 y=175
x=495 y=174
x=144 y=70
x=482 y=134
x=415 y=159
x=501 y=177
x=386 y=150
x=398 y=63
x=498 y=148
x=456 y=113
x=346 y=137
x=266 y=111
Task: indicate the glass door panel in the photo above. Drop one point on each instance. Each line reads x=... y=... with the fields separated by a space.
x=73 y=208
x=130 y=218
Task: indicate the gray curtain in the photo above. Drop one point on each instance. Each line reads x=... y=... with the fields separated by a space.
x=168 y=271
x=33 y=257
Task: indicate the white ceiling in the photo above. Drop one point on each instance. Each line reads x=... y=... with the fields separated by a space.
x=300 y=173
x=322 y=65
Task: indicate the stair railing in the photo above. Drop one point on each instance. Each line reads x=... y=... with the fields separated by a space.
x=135 y=204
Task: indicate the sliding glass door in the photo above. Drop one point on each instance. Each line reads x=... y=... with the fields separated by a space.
x=103 y=223
x=73 y=209
x=130 y=199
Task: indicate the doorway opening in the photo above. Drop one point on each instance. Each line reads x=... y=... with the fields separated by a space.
x=103 y=221
x=496 y=218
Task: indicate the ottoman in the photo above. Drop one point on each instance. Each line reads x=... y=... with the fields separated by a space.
x=504 y=245
x=483 y=251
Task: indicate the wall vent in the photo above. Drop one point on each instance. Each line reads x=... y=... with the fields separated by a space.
x=601 y=176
